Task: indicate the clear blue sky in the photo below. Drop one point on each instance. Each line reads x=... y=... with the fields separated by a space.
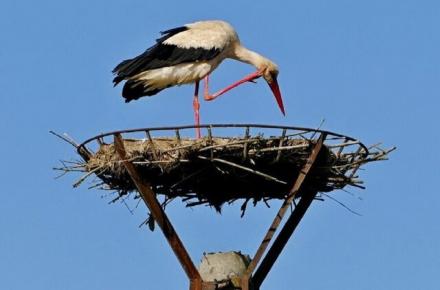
x=370 y=68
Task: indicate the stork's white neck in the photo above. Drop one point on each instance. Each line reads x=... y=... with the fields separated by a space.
x=243 y=54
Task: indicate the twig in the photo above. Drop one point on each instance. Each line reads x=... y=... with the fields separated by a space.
x=66 y=138
x=318 y=128
x=255 y=151
x=341 y=204
x=267 y=176
x=187 y=177
x=349 y=143
x=229 y=144
x=84 y=177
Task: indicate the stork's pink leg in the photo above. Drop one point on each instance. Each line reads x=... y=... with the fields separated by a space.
x=196 y=106
x=248 y=78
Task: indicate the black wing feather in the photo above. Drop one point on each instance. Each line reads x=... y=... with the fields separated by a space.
x=162 y=55
x=134 y=90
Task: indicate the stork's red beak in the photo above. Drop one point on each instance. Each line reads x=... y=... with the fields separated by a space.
x=276 y=92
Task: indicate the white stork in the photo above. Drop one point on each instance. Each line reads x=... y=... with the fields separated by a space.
x=188 y=54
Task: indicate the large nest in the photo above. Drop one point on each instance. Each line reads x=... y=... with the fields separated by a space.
x=215 y=170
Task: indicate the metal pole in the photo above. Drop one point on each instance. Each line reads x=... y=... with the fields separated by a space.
x=160 y=217
x=283 y=237
x=286 y=204
x=290 y=225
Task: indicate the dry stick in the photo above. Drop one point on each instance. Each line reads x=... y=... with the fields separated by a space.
x=357 y=185
x=195 y=203
x=378 y=157
x=256 y=172
x=250 y=140
x=229 y=144
x=280 y=144
x=158 y=161
x=187 y=177
x=211 y=152
x=265 y=202
x=245 y=146
x=296 y=134
x=382 y=155
x=150 y=219
x=78 y=168
x=341 y=204
x=66 y=138
x=84 y=177
x=375 y=156
x=345 y=179
x=353 y=159
x=318 y=128
x=178 y=148
x=78 y=163
x=255 y=151
x=189 y=196
x=98 y=185
x=344 y=144
x=126 y=205
x=81 y=168
x=61 y=174
x=386 y=152
x=232 y=200
x=83 y=151
x=376 y=145
x=153 y=148
x=243 y=207
x=179 y=142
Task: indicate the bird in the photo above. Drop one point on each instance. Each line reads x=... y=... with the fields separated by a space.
x=189 y=54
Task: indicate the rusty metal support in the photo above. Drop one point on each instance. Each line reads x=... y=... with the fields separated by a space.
x=293 y=220
x=195 y=285
x=248 y=281
x=282 y=238
x=149 y=197
x=276 y=222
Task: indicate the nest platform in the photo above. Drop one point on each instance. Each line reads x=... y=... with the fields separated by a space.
x=259 y=163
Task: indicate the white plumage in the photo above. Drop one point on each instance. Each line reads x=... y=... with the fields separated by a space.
x=205 y=34
x=188 y=54
x=178 y=74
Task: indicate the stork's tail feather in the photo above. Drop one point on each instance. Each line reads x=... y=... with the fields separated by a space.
x=133 y=90
x=117 y=80
x=122 y=65
x=157 y=56
x=120 y=70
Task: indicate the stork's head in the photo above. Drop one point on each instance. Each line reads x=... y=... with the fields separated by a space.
x=266 y=69
x=269 y=71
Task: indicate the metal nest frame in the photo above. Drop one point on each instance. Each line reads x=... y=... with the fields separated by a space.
x=261 y=263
